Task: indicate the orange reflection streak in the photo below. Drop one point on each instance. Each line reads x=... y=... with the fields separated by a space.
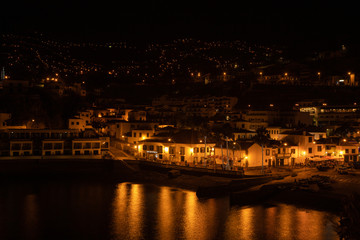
x=119 y=206
x=128 y=210
x=270 y=221
x=239 y=225
x=310 y=224
x=286 y=226
x=136 y=207
x=166 y=215
x=246 y=223
x=31 y=216
x=195 y=226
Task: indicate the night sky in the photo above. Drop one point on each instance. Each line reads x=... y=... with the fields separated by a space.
x=309 y=23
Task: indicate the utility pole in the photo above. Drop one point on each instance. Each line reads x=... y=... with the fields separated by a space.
x=205 y=153
x=222 y=158
x=262 y=159
x=227 y=154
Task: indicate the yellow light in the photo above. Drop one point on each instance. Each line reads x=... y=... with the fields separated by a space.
x=304 y=153
x=224 y=73
x=285 y=144
x=261 y=73
x=319 y=73
x=199 y=75
x=169 y=139
x=135 y=146
x=314 y=142
x=341 y=152
x=344 y=140
x=166 y=149
x=349 y=73
x=286 y=74
x=246 y=157
x=143 y=138
x=191 y=150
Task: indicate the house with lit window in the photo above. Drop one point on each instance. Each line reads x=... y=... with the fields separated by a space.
x=140 y=134
x=243 y=134
x=304 y=141
x=183 y=147
x=251 y=154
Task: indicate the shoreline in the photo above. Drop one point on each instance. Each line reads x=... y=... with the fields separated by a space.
x=204 y=185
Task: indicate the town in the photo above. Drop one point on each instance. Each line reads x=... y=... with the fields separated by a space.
x=173 y=120
x=226 y=130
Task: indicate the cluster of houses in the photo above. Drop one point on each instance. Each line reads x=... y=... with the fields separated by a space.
x=304 y=134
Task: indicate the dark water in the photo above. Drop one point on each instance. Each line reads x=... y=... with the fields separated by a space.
x=103 y=210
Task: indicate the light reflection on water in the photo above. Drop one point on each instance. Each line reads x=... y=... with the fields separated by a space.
x=57 y=210
x=179 y=214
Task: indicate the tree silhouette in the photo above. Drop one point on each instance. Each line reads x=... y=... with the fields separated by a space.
x=262 y=136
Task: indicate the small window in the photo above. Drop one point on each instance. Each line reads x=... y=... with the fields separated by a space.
x=292 y=151
x=182 y=150
x=352 y=150
x=95 y=145
x=267 y=152
x=144 y=147
x=151 y=147
x=48 y=146
x=346 y=150
x=310 y=139
x=134 y=134
x=77 y=145
x=319 y=148
x=159 y=149
x=57 y=145
x=310 y=150
x=172 y=150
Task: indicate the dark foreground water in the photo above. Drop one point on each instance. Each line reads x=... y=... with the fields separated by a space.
x=64 y=210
